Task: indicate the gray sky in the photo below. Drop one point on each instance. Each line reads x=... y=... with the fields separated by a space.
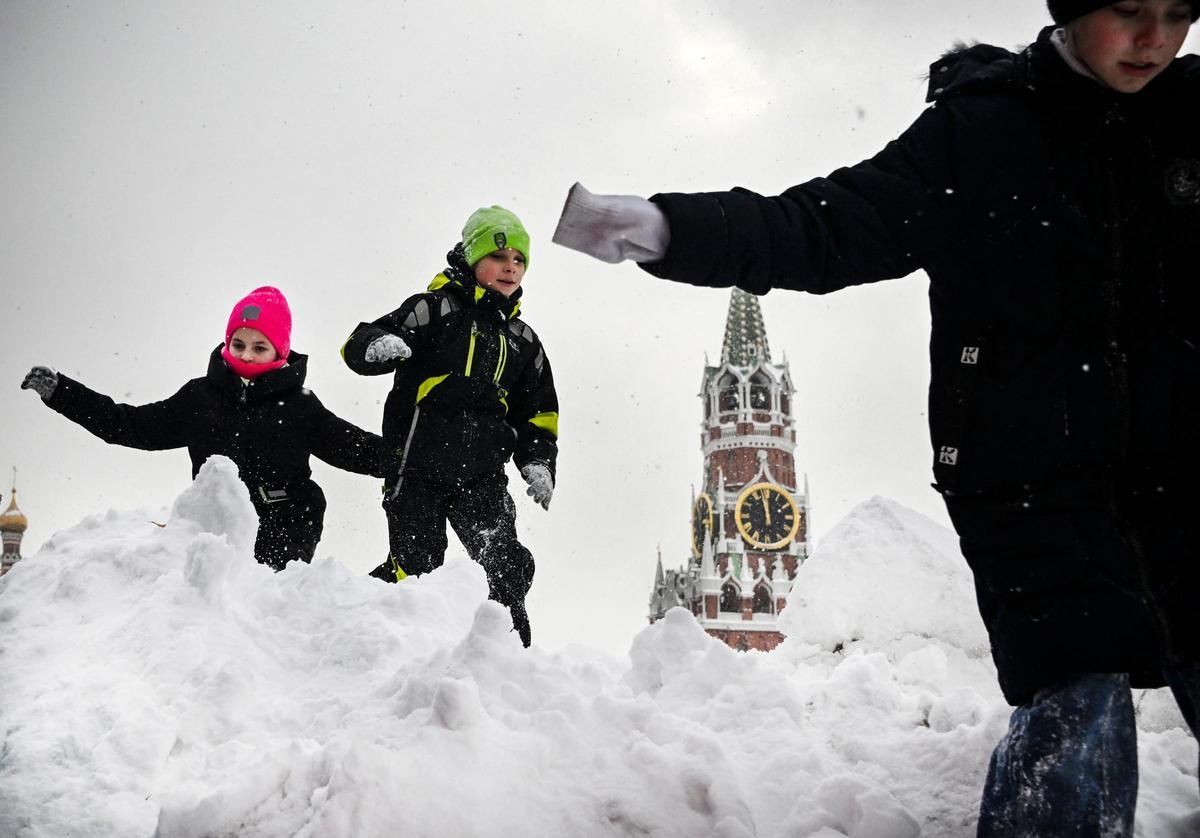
x=160 y=159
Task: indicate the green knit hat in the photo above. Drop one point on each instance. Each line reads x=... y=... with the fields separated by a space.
x=493 y=228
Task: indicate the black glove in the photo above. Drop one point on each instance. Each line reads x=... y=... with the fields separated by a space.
x=41 y=380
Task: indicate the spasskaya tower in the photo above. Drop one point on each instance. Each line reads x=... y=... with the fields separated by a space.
x=751 y=517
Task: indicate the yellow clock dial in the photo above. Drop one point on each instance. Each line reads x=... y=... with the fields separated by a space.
x=702 y=521
x=766 y=516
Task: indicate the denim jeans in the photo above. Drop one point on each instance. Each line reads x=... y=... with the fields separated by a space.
x=1068 y=765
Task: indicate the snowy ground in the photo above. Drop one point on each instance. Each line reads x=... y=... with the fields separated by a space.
x=156 y=681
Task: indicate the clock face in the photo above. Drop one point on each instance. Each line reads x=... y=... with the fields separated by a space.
x=702 y=521
x=766 y=516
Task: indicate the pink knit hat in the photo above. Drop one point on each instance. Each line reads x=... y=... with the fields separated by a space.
x=266 y=310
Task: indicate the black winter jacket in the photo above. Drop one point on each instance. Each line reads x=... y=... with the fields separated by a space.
x=1058 y=222
x=268 y=427
x=477 y=389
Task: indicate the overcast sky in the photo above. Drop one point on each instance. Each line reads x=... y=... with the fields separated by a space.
x=160 y=159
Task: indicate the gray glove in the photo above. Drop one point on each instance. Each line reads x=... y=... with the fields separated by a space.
x=41 y=380
x=385 y=348
x=541 y=484
x=613 y=228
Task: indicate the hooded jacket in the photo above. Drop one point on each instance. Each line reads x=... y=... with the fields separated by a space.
x=477 y=389
x=1057 y=221
x=269 y=427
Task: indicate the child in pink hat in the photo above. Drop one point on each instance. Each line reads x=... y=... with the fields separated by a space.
x=251 y=406
x=261 y=319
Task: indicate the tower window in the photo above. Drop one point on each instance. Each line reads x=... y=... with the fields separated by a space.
x=762 y=601
x=760 y=392
x=727 y=394
x=731 y=600
x=729 y=400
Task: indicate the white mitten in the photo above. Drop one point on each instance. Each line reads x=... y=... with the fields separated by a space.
x=541 y=484
x=613 y=228
x=385 y=348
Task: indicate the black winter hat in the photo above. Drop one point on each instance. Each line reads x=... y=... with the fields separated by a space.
x=1065 y=11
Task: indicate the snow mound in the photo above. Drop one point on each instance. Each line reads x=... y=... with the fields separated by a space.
x=158 y=682
x=218 y=503
x=883 y=574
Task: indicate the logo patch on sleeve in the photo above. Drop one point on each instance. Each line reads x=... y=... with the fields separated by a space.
x=1183 y=182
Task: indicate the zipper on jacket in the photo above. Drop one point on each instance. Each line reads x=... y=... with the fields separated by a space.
x=404 y=455
x=502 y=358
x=1114 y=292
x=471 y=349
x=1119 y=364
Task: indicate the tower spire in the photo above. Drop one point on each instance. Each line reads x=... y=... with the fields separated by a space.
x=745 y=341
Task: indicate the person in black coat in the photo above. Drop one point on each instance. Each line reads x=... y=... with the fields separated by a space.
x=252 y=407
x=1053 y=198
x=472 y=387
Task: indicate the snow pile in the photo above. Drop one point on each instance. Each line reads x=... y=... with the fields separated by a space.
x=156 y=681
x=903 y=573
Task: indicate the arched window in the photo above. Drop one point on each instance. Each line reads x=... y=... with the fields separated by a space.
x=731 y=600
x=727 y=394
x=760 y=392
x=763 y=604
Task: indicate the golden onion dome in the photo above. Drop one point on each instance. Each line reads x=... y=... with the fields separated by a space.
x=13 y=520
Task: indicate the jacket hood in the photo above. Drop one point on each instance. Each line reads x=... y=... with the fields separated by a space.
x=974 y=68
x=980 y=68
x=459 y=279
x=275 y=381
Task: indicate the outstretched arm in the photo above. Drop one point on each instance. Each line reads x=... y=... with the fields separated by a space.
x=343 y=444
x=880 y=219
x=151 y=427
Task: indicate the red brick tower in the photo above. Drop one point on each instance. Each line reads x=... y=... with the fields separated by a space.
x=751 y=520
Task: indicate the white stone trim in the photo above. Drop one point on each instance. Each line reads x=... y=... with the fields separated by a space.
x=779 y=443
x=770 y=623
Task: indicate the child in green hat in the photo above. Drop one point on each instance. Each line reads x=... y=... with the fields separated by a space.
x=472 y=387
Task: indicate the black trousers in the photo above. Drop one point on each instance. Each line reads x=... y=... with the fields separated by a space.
x=484 y=518
x=289 y=532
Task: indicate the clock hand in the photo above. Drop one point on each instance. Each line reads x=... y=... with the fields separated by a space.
x=766 y=505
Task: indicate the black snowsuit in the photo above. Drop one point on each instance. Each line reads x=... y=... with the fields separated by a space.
x=268 y=427
x=477 y=390
x=1057 y=221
